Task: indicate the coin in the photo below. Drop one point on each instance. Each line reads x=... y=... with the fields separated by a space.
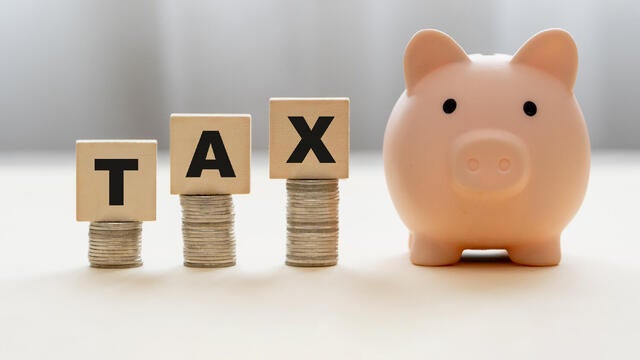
x=312 y=222
x=208 y=230
x=115 y=244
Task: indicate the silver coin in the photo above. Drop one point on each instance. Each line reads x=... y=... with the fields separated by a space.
x=210 y=250
x=310 y=263
x=312 y=222
x=208 y=230
x=210 y=264
x=115 y=244
x=210 y=259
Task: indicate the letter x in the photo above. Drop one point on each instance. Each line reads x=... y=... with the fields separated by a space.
x=311 y=139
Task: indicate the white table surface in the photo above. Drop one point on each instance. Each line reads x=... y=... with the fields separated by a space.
x=374 y=304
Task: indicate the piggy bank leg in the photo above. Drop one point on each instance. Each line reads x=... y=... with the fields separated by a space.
x=545 y=253
x=426 y=251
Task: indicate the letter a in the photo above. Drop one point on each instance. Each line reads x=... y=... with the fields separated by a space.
x=200 y=162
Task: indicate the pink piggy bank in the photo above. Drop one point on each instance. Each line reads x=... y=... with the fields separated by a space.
x=487 y=152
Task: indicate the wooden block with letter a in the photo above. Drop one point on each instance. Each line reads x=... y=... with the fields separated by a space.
x=309 y=138
x=116 y=180
x=210 y=154
x=210 y=160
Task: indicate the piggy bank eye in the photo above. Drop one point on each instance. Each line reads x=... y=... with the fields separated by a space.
x=530 y=108
x=449 y=106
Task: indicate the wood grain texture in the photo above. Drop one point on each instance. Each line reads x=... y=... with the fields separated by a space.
x=92 y=186
x=284 y=138
x=234 y=131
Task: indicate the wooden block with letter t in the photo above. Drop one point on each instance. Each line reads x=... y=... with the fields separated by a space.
x=116 y=180
x=309 y=138
x=210 y=154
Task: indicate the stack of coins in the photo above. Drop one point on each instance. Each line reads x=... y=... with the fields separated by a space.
x=312 y=222
x=207 y=230
x=115 y=244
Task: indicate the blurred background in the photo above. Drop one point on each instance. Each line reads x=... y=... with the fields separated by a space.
x=78 y=69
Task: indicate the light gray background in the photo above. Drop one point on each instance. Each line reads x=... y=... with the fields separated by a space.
x=117 y=69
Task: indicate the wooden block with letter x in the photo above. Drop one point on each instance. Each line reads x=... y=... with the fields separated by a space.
x=309 y=138
x=116 y=180
x=210 y=154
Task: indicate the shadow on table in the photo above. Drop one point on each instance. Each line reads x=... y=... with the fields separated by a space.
x=391 y=284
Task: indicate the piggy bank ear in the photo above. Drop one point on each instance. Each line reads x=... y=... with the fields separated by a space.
x=552 y=51
x=427 y=51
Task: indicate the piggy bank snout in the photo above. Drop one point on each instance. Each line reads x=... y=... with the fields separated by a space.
x=490 y=162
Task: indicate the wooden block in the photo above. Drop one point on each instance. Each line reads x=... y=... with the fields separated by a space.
x=210 y=154
x=309 y=138
x=116 y=180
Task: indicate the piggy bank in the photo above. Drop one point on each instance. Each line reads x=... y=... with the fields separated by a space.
x=487 y=151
